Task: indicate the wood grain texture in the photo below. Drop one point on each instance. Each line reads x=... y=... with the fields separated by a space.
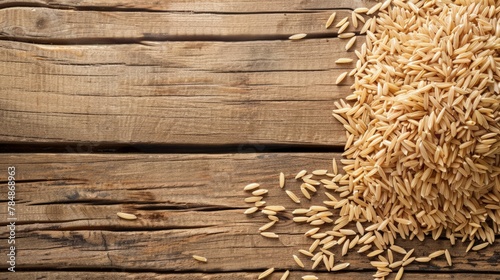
x=212 y=6
x=173 y=73
x=172 y=92
x=294 y=275
x=186 y=204
x=76 y=26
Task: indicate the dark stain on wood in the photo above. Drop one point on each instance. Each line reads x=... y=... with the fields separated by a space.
x=74 y=196
x=41 y=23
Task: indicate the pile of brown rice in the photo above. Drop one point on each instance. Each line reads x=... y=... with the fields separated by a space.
x=422 y=157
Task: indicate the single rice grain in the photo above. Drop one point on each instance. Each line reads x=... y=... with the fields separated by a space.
x=251 y=186
x=269 y=234
x=399 y=275
x=436 y=254
x=306 y=253
x=343 y=27
x=199 y=258
x=342 y=61
x=340 y=78
x=266 y=273
x=300 y=174
x=285 y=275
x=448 y=257
x=423 y=259
x=259 y=192
x=252 y=199
x=350 y=43
x=297 y=36
x=398 y=249
x=251 y=210
x=342 y=22
x=330 y=20
x=293 y=196
x=340 y=266
x=480 y=246
x=267 y=226
x=260 y=203
x=126 y=216
x=347 y=35
x=275 y=208
x=298 y=261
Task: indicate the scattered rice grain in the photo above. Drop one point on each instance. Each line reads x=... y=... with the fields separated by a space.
x=266 y=273
x=251 y=186
x=297 y=36
x=330 y=20
x=269 y=234
x=126 y=216
x=199 y=258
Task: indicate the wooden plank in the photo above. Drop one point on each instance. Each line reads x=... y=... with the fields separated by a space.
x=206 y=6
x=186 y=204
x=75 y=26
x=294 y=275
x=267 y=92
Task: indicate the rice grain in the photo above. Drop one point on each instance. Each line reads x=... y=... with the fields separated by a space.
x=300 y=174
x=340 y=266
x=340 y=78
x=251 y=186
x=259 y=192
x=436 y=254
x=399 y=275
x=347 y=35
x=398 y=249
x=293 y=196
x=297 y=36
x=350 y=43
x=126 y=216
x=269 y=234
x=480 y=246
x=267 y=226
x=252 y=199
x=343 y=27
x=423 y=259
x=330 y=20
x=298 y=261
x=342 y=61
x=266 y=273
x=448 y=257
x=285 y=275
x=199 y=258
x=251 y=210
x=275 y=208
x=342 y=22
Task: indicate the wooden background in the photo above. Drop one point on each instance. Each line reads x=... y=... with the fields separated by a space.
x=166 y=109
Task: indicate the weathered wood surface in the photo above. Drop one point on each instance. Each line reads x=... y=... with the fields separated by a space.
x=230 y=275
x=172 y=92
x=173 y=73
x=225 y=75
x=70 y=26
x=186 y=204
x=207 y=6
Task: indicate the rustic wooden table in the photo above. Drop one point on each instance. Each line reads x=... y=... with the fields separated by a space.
x=166 y=109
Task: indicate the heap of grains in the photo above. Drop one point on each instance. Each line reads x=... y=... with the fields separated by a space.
x=422 y=157
x=423 y=149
